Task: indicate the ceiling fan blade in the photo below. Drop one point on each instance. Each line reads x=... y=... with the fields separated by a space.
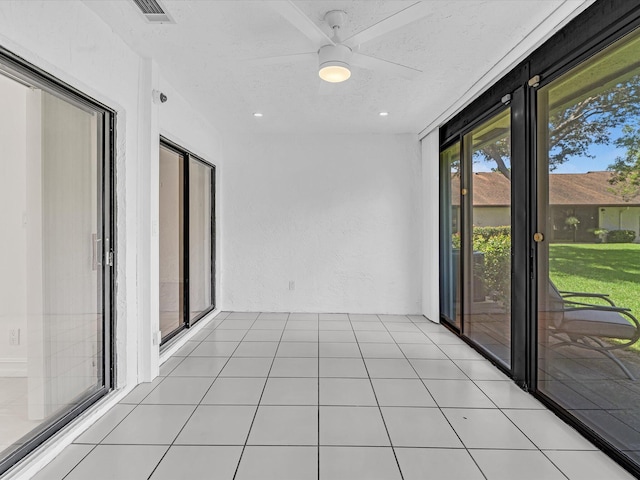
x=282 y=59
x=404 y=17
x=298 y=19
x=373 y=63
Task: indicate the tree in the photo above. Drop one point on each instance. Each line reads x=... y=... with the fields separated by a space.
x=500 y=153
x=573 y=221
x=626 y=170
x=580 y=122
x=591 y=120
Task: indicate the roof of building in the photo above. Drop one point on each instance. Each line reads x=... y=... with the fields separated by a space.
x=493 y=189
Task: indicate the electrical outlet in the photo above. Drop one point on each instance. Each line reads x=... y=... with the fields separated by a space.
x=14 y=336
x=292 y=285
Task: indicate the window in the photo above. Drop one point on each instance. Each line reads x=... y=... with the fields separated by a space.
x=186 y=211
x=55 y=256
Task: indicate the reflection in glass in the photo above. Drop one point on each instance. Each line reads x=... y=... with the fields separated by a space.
x=51 y=353
x=487 y=239
x=450 y=235
x=171 y=211
x=200 y=246
x=589 y=264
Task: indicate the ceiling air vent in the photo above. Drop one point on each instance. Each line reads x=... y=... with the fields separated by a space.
x=153 y=11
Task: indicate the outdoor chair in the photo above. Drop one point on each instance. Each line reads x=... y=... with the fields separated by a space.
x=585 y=325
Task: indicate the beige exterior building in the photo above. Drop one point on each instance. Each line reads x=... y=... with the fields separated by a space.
x=588 y=196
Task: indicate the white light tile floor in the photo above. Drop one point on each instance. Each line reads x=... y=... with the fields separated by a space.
x=259 y=396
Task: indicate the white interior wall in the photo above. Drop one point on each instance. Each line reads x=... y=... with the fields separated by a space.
x=430 y=221
x=13 y=241
x=336 y=214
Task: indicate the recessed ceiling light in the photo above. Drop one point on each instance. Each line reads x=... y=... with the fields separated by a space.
x=257 y=114
x=384 y=114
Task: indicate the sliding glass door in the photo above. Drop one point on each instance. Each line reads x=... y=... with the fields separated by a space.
x=476 y=235
x=186 y=211
x=540 y=225
x=487 y=236
x=55 y=257
x=588 y=250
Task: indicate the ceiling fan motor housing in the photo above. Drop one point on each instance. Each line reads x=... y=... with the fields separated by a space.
x=334 y=56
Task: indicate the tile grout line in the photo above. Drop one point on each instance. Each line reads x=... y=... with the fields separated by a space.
x=204 y=395
x=537 y=448
x=95 y=445
x=553 y=463
x=160 y=461
x=430 y=394
x=491 y=400
x=395 y=342
x=341 y=446
x=78 y=463
x=438 y=405
x=375 y=395
x=318 y=343
x=264 y=387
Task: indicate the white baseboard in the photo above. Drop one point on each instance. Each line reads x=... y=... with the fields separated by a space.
x=13 y=367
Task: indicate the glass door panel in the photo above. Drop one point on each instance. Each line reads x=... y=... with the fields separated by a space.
x=172 y=311
x=200 y=238
x=589 y=261
x=487 y=236
x=450 y=274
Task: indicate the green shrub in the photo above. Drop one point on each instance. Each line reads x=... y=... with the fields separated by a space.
x=489 y=232
x=495 y=243
x=495 y=270
x=621 y=236
x=455 y=240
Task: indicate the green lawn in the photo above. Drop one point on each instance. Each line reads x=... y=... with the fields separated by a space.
x=612 y=268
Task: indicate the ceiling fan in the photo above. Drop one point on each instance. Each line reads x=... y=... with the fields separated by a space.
x=336 y=56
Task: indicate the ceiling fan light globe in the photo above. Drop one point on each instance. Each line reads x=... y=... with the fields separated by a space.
x=334 y=72
x=334 y=63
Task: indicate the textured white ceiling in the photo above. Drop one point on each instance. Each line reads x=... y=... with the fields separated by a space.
x=202 y=57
